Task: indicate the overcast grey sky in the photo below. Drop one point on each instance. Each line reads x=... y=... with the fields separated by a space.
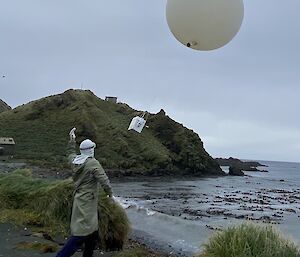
x=242 y=99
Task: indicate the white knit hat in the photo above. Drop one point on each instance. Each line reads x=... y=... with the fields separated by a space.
x=87 y=148
x=87 y=144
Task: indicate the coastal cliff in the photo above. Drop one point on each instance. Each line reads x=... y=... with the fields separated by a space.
x=41 y=128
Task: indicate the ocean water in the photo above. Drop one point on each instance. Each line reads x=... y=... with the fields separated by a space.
x=181 y=214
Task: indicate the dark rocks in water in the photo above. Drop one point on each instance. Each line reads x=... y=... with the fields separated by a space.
x=245 y=166
x=213 y=228
x=235 y=171
x=250 y=169
x=216 y=211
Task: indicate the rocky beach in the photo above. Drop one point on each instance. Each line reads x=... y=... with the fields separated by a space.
x=184 y=212
x=176 y=216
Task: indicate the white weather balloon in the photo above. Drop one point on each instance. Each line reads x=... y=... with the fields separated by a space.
x=205 y=24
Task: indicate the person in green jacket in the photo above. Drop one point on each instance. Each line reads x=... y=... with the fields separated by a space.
x=87 y=175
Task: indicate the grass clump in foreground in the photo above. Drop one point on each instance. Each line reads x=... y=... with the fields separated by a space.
x=47 y=204
x=249 y=240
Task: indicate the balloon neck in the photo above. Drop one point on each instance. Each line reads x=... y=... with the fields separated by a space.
x=190 y=44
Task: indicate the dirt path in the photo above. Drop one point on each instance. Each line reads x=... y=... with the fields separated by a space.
x=11 y=236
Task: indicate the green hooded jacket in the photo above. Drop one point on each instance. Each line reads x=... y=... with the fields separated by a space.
x=87 y=176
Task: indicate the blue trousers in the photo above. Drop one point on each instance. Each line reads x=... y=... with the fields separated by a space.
x=76 y=242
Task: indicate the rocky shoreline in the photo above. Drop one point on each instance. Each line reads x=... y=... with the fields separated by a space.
x=127 y=175
x=250 y=202
x=235 y=200
x=221 y=202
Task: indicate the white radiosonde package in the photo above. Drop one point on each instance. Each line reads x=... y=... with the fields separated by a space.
x=137 y=124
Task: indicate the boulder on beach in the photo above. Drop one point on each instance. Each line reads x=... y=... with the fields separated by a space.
x=235 y=171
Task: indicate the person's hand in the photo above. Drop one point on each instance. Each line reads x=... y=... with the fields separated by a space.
x=72 y=134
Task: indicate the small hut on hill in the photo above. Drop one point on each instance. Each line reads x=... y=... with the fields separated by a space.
x=112 y=99
x=7 y=146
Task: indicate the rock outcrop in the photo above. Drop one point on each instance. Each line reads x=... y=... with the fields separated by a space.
x=235 y=171
x=4 y=106
x=243 y=165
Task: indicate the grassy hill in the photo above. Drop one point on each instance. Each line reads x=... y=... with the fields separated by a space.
x=40 y=129
x=4 y=106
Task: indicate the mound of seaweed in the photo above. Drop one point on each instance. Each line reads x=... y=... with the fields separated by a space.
x=49 y=204
x=40 y=129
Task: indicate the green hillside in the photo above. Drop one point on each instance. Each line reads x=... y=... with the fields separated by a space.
x=40 y=129
x=4 y=106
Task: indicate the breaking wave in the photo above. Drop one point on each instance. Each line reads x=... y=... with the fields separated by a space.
x=128 y=203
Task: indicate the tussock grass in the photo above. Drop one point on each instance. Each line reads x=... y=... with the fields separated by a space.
x=48 y=204
x=22 y=217
x=249 y=240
